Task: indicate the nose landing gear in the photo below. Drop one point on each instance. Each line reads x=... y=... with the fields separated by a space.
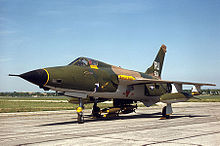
x=79 y=111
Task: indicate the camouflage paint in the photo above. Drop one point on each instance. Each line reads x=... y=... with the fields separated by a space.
x=156 y=68
x=86 y=76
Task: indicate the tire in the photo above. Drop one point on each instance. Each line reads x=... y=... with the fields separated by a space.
x=164 y=111
x=80 y=118
x=95 y=112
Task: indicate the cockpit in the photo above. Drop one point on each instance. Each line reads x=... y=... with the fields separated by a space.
x=84 y=62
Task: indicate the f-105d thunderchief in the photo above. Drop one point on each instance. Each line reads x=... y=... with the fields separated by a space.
x=91 y=81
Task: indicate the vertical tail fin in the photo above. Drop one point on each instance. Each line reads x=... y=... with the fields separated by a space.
x=156 y=68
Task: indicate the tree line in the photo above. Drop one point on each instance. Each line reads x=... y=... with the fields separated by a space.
x=27 y=94
x=44 y=94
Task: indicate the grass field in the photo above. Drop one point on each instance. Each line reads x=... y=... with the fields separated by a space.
x=206 y=98
x=31 y=104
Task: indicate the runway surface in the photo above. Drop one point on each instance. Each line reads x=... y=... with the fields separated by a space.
x=192 y=124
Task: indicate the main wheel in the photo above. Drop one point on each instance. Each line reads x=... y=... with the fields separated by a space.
x=164 y=113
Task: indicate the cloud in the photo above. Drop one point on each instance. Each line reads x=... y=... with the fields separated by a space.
x=3 y=19
x=112 y=7
x=64 y=30
x=50 y=12
x=7 y=32
x=117 y=8
x=5 y=59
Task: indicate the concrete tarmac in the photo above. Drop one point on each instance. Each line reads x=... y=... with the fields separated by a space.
x=192 y=124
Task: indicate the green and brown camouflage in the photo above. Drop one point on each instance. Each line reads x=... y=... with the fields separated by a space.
x=84 y=73
x=82 y=78
x=156 y=68
x=175 y=97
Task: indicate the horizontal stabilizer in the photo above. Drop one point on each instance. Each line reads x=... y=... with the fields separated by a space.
x=175 y=97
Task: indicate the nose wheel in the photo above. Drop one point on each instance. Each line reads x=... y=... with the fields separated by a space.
x=79 y=111
x=80 y=118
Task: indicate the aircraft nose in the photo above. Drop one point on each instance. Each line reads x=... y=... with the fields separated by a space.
x=39 y=77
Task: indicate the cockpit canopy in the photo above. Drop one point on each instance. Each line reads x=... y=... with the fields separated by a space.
x=83 y=61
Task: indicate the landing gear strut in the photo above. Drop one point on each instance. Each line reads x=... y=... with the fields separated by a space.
x=96 y=110
x=79 y=110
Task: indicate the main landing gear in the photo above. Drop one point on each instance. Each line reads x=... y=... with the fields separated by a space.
x=166 y=112
x=79 y=111
x=96 y=111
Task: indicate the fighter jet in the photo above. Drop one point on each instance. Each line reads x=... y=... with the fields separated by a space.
x=87 y=80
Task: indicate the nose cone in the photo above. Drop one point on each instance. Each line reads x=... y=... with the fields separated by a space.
x=39 y=77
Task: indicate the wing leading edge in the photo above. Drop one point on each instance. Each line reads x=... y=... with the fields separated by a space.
x=139 y=81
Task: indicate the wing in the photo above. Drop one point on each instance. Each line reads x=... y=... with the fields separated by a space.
x=176 y=85
x=139 y=81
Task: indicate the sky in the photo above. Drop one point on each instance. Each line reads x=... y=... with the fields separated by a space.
x=128 y=33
